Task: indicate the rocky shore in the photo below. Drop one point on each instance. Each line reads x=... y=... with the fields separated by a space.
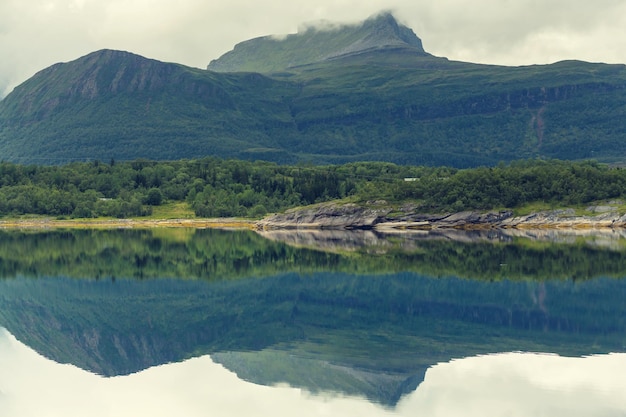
x=341 y=217
x=352 y=216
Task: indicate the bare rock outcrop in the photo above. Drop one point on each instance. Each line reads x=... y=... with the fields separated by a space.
x=552 y=219
x=352 y=216
x=565 y=219
x=325 y=216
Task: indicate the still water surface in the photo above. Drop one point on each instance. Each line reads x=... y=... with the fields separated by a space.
x=205 y=322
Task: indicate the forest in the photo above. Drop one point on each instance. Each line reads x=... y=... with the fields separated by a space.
x=213 y=187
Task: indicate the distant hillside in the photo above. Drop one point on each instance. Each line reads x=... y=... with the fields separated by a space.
x=345 y=93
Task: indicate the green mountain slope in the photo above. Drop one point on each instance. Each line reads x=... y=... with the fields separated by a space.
x=363 y=92
x=113 y=104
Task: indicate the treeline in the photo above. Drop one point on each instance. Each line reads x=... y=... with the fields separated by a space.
x=218 y=188
x=212 y=187
x=558 y=183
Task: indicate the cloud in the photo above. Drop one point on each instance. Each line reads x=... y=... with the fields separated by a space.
x=37 y=33
x=521 y=384
x=524 y=31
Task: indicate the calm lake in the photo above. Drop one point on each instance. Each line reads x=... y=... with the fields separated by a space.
x=186 y=322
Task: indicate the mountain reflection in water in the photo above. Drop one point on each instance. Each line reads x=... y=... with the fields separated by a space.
x=374 y=322
x=507 y=384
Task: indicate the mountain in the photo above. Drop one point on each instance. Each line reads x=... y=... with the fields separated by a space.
x=271 y=54
x=113 y=104
x=327 y=95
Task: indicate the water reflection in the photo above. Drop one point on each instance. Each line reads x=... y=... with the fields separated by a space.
x=34 y=386
x=378 y=327
x=370 y=336
x=518 y=384
x=508 y=384
x=218 y=255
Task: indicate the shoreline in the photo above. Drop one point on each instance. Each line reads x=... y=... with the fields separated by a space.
x=263 y=225
x=350 y=217
x=45 y=223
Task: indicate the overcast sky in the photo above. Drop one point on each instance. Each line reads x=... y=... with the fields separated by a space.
x=37 y=33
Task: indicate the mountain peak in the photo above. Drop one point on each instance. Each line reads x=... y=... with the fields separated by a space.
x=385 y=24
x=95 y=75
x=317 y=44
